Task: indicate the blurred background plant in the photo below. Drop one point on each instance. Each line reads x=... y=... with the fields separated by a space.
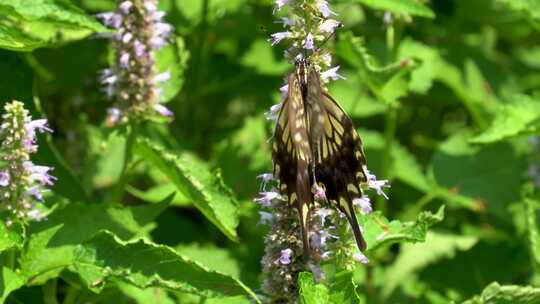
x=445 y=97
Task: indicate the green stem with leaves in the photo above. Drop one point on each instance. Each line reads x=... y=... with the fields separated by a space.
x=128 y=156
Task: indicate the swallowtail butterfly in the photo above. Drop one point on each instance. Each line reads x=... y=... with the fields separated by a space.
x=315 y=143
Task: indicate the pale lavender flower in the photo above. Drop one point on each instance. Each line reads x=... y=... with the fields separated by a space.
x=364 y=203
x=162 y=77
x=139 y=48
x=266 y=197
x=277 y=37
x=360 y=257
x=375 y=184
x=265 y=178
x=35 y=215
x=280 y=4
x=162 y=110
x=39 y=124
x=4 y=178
x=329 y=25
x=265 y=217
x=309 y=45
x=35 y=192
x=287 y=21
x=124 y=60
x=331 y=74
x=285 y=257
x=318 y=193
x=40 y=173
x=324 y=8
x=125 y=7
x=274 y=111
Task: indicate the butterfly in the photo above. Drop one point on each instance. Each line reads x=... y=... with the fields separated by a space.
x=315 y=144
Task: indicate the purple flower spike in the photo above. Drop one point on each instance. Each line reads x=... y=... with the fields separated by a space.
x=360 y=257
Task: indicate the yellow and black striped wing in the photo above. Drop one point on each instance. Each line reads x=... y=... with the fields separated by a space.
x=292 y=155
x=338 y=154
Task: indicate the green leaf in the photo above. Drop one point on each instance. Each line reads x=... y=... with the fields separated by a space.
x=522 y=116
x=57 y=11
x=211 y=257
x=311 y=293
x=260 y=57
x=14 y=39
x=414 y=257
x=144 y=296
x=194 y=179
x=105 y=158
x=145 y=264
x=11 y=237
x=478 y=173
x=52 y=243
x=531 y=7
x=410 y=7
x=9 y=281
x=407 y=169
x=27 y=25
x=173 y=59
x=507 y=294
x=158 y=193
x=378 y=231
x=343 y=289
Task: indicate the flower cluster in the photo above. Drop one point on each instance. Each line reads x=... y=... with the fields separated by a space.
x=131 y=81
x=282 y=261
x=21 y=181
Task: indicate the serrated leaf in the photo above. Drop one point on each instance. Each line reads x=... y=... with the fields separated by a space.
x=144 y=296
x=61 y=12
x=378 y=231
x=522 y=116
x=507 y=294
x=11 y=237
x=410 y=7
x=145 y=264
x=52 y=243
x=211 y=257
x=413 y=257
x=343 y=289
x=9 y=281
x=311 y=293
x=27 y=25
x=194 y=179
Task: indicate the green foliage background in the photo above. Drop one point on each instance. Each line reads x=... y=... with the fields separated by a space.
x=445 y=99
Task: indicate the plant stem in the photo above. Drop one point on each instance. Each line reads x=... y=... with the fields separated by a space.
x=71 y=295
x=390 y=125
x=128 y=156
x=9 y=259
x=49 y=292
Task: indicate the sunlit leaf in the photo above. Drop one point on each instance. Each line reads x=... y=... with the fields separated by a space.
x=145 y=264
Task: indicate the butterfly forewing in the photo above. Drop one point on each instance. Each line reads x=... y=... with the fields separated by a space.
x=292 y=154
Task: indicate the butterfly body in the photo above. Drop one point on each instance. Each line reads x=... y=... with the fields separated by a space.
x=316 y=144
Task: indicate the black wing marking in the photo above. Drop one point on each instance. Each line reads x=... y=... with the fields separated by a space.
x=340 y=161
x=292 y=155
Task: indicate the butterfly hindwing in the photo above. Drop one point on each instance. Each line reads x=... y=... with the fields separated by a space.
x=337 y=153
x=292 y=155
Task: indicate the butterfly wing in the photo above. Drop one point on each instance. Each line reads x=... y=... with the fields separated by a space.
x=337 y=151
x=292 y=155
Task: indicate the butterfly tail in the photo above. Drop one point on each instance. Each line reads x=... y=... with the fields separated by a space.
x=347 y=207
x=303 y=203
